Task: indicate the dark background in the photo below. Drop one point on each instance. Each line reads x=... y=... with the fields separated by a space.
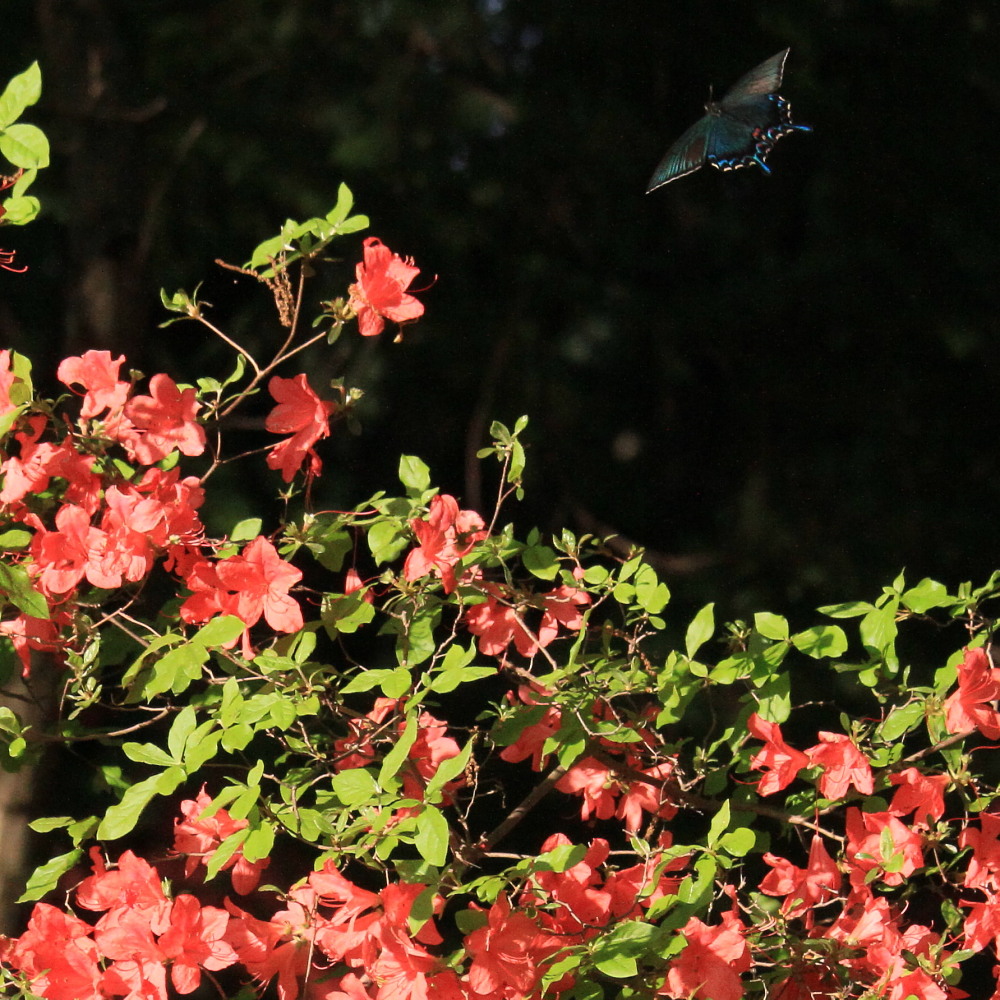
x=783 y=387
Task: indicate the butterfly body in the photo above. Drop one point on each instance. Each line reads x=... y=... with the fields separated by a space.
x=737 y=131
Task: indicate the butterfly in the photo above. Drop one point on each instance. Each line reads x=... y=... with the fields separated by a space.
x=737 y=131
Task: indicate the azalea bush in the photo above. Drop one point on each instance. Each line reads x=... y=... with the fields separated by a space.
x=408 y=752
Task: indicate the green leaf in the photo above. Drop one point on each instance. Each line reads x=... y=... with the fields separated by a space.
x=417 y=641
x=388 y=776
x=232 y=703
x=353 y=225
x=246 y=530
x=719 y=824
x=46 y=824
x=183 y=726
x=177 y=669
x=926 y=595
x=148 y=753
x=616 y=953
x=121 y=818
x=19 y=212
x=46 y=877
x=245 y=802
x=447 y=770
x=345 y=202
x=901 y=720
x=199 y=752
x=431 y=837
x=849 y=609
x=540 y=561
x=700 y=630
x=878 y=628
x=821 y=641
x=237 y=737
x=354 y=787
x=386 y=540
x=345 y=615
x=219 y=631
x=394 y=683
x=259 y=842
x=224 y=852
x=650 y=594
x=771 y=626
x=739 y=842
x=596 y=575
x=25 y=146
x=414 y=475
x=15 y=538
x=448 y=680
x=22 y=91
x=561 y=859
x=697 y=888
x=282 y=714
x=16 y=586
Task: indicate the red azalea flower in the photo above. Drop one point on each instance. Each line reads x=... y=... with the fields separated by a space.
x=445 y=537
x=163 y=421
x=195 y=940
x=803 y=888
x=878 y=841
x=380 y=292
x=920 y=793
x=58 y=955
x=984 y=865
x=301 y=413
x=970 y=707
x=504 y=953
x=843 y=765
x=97 y=372
x=709 y=967
x=781 y=761
x=251 y=585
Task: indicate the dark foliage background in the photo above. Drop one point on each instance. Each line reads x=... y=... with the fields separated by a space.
x=781 y=386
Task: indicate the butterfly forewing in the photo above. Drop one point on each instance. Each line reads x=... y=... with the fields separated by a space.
x=765 y=79
x=685 y=156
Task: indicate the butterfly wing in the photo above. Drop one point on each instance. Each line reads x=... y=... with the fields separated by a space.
x=685 y=156
x=764 y=79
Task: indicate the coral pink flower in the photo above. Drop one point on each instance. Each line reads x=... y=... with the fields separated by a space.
x=380 y=292
x=301 y=413
x=162 y=422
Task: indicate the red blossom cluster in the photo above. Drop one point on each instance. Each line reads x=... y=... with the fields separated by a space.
x=876 y=943
x=445 y=536
x=332 y=940
x=140 y=937
x=430 y=748
x=111 y=529
x=628 y=782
